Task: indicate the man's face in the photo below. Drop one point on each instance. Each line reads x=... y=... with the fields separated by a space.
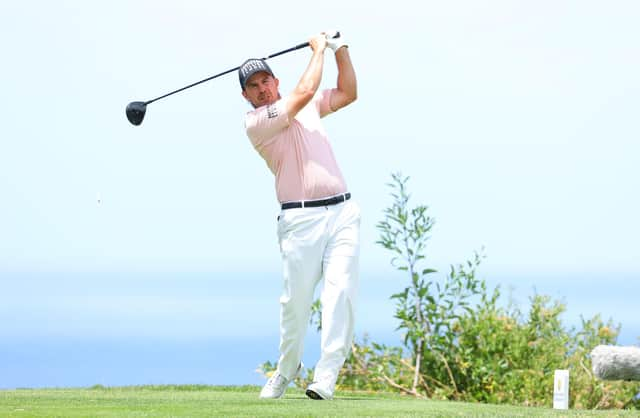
x=261 y=89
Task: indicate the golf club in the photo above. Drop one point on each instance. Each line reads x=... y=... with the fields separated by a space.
x=136 y=110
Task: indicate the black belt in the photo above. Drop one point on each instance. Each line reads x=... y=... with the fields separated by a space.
x=317 y=203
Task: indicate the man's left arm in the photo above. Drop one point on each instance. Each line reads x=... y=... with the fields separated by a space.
x=346 y=90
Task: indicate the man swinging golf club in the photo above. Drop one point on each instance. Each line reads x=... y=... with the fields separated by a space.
x=319 y=224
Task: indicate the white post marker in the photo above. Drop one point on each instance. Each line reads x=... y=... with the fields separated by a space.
x=561 y=389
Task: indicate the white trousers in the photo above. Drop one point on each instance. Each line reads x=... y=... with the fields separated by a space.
x=318 y=243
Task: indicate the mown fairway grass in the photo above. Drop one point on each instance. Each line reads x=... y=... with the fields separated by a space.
x=218 y=401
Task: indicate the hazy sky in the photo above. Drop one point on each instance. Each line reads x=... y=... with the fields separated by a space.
x=517 y=122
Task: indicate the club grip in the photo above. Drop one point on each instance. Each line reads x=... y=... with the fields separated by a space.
x=299 y=46
x=306 y=44
x=337 y=35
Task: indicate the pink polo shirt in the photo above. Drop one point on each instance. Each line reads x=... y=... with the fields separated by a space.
x=297 y=152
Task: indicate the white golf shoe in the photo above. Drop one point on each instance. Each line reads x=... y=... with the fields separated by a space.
x=277 y=385
x=316 y=391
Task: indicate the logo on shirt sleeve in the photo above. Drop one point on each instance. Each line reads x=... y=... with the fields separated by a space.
x=272 y=111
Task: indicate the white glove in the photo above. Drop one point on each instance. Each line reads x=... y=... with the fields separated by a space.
x=333 y=42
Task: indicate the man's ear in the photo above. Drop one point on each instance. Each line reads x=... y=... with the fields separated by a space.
x=244 y=94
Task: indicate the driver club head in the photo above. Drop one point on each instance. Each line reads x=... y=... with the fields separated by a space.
x=135 y=112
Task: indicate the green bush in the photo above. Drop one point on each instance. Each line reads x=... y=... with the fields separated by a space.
x=462 y=344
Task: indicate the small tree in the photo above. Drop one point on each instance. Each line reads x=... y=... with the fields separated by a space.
x=427 y=315
x=405 y=232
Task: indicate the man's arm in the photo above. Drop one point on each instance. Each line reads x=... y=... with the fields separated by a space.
x=346 y=91
x=310 y=80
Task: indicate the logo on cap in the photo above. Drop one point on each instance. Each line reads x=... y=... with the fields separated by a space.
x=250 y=67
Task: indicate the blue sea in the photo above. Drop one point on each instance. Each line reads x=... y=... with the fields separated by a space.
x=81 y=362
x=80 y=330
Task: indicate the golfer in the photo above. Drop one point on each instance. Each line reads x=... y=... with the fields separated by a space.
x=319 y=223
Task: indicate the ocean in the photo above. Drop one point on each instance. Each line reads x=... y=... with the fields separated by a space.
x=80 y=330
x=77 y=362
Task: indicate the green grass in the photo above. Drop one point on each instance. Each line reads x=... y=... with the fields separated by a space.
x=212 y=401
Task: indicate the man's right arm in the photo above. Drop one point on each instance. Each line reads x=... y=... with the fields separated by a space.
x=310 y=80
